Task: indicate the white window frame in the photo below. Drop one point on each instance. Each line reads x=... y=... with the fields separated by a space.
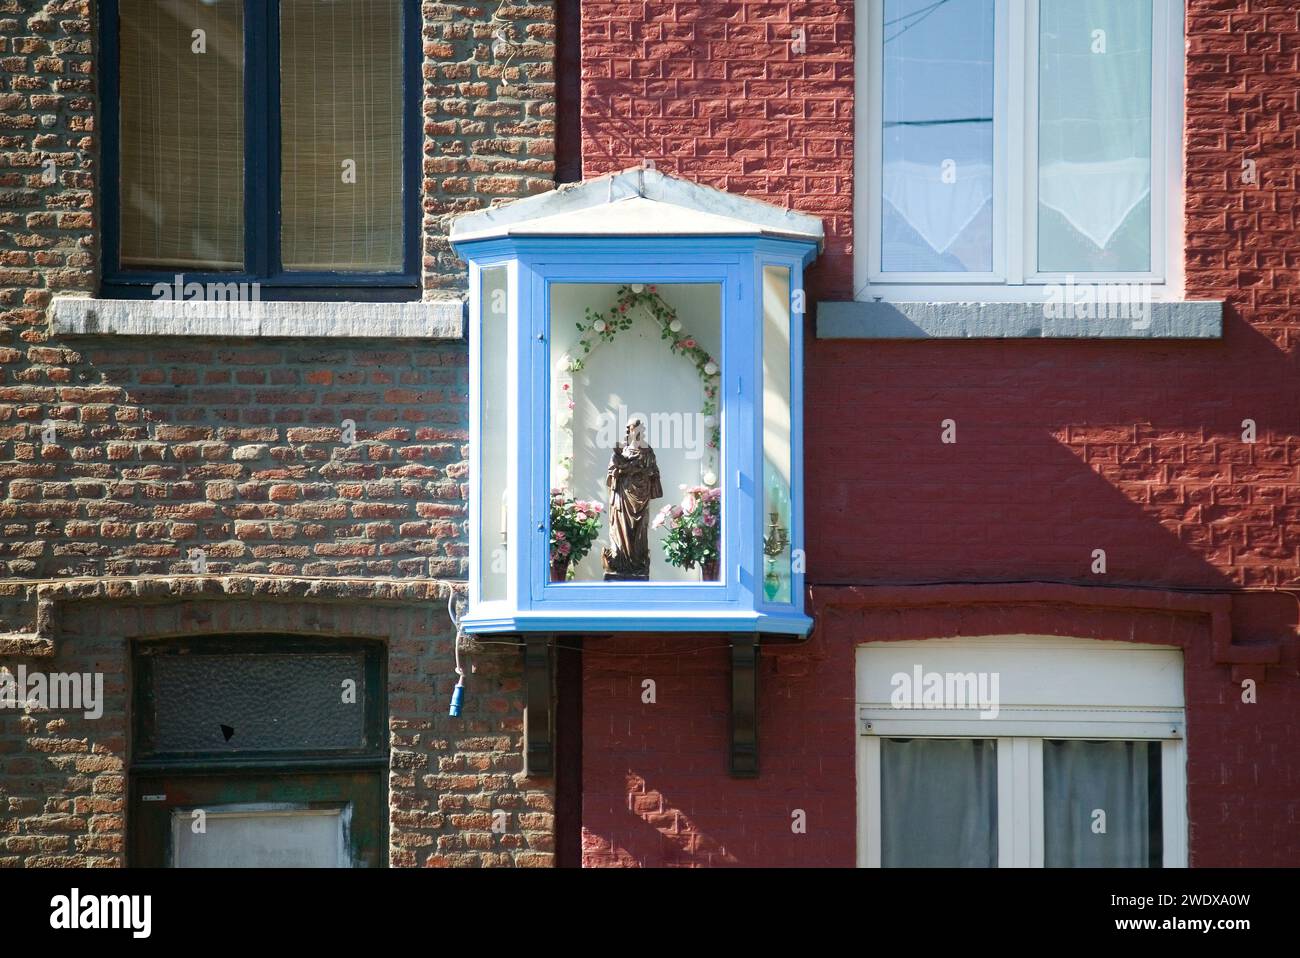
x=1019 y=732
x=1020 y=799
x=1014 y=277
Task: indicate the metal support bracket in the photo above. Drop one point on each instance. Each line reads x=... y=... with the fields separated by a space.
x=744 y=706
x=539 y=705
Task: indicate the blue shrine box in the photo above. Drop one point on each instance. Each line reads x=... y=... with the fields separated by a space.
x=636 y=325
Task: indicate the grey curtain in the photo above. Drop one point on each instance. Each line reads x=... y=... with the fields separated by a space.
x=1119 y=779
x=938 y=803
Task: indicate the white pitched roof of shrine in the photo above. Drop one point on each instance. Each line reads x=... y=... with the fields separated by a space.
x=636 y=202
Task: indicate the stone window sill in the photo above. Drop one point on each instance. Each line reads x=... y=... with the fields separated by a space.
x=879 y=320
x=85 y=316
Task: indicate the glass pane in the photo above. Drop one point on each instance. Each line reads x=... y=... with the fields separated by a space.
x=635 y=432
x=260 y=702
x=1094 y=136
x=1101 y=804
x=938 y=803
x=493 y=423
x=937 y=183
x=341 y=135
x=777 y=459
x=262 y=836
x=182 y=133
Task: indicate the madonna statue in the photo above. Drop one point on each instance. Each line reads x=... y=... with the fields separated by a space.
x=633 y=482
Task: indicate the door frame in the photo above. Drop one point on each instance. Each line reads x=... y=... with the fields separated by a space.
x=159 y=783
x=157 y=797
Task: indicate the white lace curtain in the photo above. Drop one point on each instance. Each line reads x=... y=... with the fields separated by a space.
x=1094 y=135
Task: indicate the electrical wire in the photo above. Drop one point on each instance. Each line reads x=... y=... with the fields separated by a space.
x=925 y=14
x=700 y=650
x=455 y=621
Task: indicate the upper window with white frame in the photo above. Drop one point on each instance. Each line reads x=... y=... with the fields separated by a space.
x=1009 y=144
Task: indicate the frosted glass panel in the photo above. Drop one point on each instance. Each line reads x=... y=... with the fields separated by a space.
x=1094 y=136
x=258 y=702
x=777 y=436
x=937 y=177
x=261 y=836
x=493 y=424
x=938 y=803
x=636 y=430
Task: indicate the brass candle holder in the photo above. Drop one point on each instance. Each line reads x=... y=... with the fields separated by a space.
x=775 y=541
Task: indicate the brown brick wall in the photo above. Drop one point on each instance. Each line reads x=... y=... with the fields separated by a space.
x=234 y=446
x=62 y=776
x=489 y=116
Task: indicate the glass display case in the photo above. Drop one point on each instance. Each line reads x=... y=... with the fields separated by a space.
x=636 y=391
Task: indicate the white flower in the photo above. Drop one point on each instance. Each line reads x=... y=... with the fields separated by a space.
x=709 y=478
x=637 y=288
x=675 y=325
x=599 y=326
x=710 y=422
x=710 y=368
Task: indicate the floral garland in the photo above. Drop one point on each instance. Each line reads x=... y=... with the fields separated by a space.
x=598 y=327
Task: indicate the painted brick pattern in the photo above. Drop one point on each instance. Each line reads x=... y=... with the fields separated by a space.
x=657 y=794
x=1063 y=447
x=716 y=91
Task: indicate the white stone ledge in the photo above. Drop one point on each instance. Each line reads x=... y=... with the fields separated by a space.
x=879 y=320
x=85 y=316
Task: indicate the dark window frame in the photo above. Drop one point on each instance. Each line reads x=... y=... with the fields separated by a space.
x=373 y=754
x=262 y=174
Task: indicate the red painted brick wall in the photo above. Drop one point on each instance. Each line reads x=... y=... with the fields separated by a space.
x=655 y=783
x=714 y=91
x=1063 y=447
x=655 y=786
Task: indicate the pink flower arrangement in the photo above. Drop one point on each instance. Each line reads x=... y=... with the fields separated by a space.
x=693 y=527
x=575 y=524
